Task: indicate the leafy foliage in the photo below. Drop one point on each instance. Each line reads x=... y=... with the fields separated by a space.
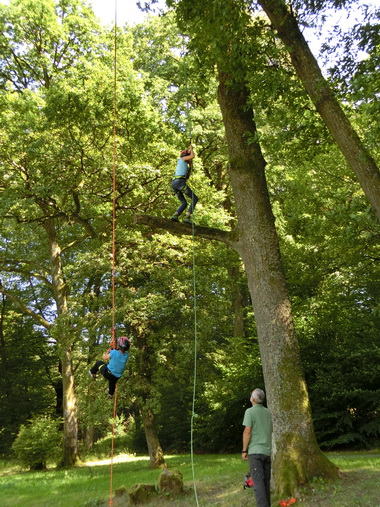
x=55 y=163
x=29 y=374
x=38 y=442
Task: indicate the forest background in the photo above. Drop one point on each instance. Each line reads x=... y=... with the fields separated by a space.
x=56 y=80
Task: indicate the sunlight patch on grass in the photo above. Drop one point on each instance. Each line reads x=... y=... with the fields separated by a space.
x=120 y=458
x=347 y=462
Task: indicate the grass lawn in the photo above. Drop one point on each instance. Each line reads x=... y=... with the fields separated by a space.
x=219 y=482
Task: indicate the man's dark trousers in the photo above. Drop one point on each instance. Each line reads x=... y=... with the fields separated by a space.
x=260 y=468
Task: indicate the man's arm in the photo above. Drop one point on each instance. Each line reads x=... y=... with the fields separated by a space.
x=246 y=439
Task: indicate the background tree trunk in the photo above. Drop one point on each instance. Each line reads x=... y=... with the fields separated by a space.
x=326 y=103
x=156 y=454
x=58 y=388
x=296 y=455
x=70 y=423
x=89 y=436
x=144 y=389
x=70 y=427
x=4 y=373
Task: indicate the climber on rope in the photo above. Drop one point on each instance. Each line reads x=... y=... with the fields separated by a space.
x=117 y=360
x=180 y=186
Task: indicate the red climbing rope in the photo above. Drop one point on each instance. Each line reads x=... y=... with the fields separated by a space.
x=113 y=341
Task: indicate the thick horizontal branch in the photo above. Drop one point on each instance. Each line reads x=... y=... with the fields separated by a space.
x=178 y=228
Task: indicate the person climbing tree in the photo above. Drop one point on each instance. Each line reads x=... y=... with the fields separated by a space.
x=117 y=360
x=180 y=186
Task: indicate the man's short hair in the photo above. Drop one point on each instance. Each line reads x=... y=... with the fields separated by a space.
x=258 y=395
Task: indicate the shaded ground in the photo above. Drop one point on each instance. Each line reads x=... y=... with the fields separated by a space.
x=354 y=489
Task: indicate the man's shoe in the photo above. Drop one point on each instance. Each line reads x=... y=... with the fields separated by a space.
x=174 y=218
x=187 y=220
x=92 y=374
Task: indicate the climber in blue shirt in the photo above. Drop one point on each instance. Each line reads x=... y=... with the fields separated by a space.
x=117 y=360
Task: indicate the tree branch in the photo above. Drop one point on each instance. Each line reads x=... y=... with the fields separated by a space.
x=230 y=238
x=17 y=266
x=24 y=309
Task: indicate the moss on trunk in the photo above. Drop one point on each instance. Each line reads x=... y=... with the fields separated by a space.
x=295 y=465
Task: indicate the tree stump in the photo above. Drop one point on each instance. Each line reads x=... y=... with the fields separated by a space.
x=141 y=493
x=170 y=482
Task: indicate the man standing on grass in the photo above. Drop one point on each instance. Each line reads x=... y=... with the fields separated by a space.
x=257 y=446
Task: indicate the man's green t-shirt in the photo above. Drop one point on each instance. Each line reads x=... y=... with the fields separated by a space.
x=260 y=420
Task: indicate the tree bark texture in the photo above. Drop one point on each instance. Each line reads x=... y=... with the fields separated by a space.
x=156 y=454
x=296 y=456
x=237 y=302
x=327 y=105
x=70 y=422
x=144 y=390
x=227 y=237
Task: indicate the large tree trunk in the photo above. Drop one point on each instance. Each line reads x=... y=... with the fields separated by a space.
x=70 y=423
x=296 y=455
x=325 y=101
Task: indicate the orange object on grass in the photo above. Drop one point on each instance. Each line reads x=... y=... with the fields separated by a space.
x=285 y=503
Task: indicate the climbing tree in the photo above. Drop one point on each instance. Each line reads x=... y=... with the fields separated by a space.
x=56 y=201
x=31 y=160
x=256 y=241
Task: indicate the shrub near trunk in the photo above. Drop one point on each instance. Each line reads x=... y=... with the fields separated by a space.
x=38 y=442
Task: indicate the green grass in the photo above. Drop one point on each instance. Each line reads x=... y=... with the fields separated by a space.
x=219 y=482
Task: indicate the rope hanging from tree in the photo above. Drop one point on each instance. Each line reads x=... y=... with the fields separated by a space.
x=113 y=267
x=189 y=126
x=193 y=414
x=189 y=132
